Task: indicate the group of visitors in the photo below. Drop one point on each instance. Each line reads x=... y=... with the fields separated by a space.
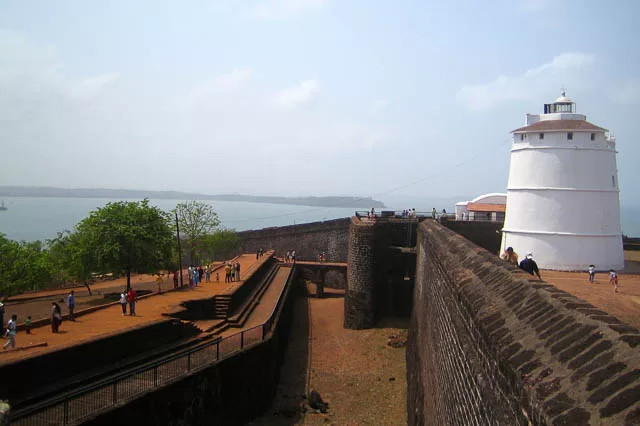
x=529 y=265
x=128 y=298
x=231 y=272
x=406 y=213
x=197 y=275
x=259 y=253
x=290 y=256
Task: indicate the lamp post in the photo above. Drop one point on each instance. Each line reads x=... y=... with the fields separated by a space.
x=179 y=250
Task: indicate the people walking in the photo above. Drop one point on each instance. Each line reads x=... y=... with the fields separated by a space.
x=613 y=280
x=27 y=325
x=71 y=304
x=131 y=298
x=175 y=279
x=207 y=273
x=56 y=317
x=238 y=271
x=11 y=332
x=592 y=273
x=123 y=301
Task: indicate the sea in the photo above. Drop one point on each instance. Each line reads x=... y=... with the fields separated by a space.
x=41 y=218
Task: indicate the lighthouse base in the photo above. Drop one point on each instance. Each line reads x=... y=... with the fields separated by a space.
x=567 y=252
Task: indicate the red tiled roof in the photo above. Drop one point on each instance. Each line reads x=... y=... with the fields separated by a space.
x=559 y=125
x=481 y=207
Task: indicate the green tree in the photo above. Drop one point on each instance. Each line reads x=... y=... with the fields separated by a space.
x=124 y=237
x=197 y=221
x=24 y=266
x=221 y=242
x=72 y=258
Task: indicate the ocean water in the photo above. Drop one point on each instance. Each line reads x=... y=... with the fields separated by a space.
x=32 y=219
x=41 y=218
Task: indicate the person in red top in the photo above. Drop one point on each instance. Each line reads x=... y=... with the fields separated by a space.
x=131 y=298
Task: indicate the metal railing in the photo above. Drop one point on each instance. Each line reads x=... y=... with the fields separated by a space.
x=390 y=214
x=80 y=404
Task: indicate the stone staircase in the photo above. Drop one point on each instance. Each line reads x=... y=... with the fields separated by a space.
x=221 y=303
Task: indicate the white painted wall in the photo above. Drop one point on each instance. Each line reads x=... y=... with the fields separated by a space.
x=562 y=203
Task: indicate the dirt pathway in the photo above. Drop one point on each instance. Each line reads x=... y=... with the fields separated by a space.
x=355 y=371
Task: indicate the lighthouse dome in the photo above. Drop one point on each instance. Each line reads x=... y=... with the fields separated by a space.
x=564 y=99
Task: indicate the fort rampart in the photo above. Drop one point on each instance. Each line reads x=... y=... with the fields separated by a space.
x=487 y=345
x=307 y=239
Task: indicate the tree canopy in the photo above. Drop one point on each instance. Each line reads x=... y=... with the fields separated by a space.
x=123 y=236
x=24 y=266
x=198 y=221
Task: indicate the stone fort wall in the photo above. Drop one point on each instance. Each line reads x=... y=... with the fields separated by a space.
x=307 y=239
x=489 y=346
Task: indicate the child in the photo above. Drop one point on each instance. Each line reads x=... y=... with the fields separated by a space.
x=613 y=279
x=27 y=325
x=592 y=273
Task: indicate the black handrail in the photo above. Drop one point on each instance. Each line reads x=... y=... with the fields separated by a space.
x=116 y=386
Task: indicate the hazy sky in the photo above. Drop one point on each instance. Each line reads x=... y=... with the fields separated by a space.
x=304 y=97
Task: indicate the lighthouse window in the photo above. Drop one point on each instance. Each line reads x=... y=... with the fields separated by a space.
x=593 y=136
x=541 y=136
x=570 y=136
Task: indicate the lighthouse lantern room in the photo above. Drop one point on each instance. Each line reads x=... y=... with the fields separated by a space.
x=562 y=195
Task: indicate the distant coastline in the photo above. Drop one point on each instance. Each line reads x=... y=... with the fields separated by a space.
x=47 y=192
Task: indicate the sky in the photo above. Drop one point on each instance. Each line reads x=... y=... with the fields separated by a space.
x=304 y=97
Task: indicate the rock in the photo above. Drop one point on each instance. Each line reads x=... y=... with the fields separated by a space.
x=316 y=402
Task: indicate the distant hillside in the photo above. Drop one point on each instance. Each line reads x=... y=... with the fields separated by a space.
x=115 y=194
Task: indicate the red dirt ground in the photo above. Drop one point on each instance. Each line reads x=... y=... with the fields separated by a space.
x=355 y=371
x=110 y=319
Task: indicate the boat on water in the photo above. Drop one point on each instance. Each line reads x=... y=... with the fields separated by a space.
x=2 y=206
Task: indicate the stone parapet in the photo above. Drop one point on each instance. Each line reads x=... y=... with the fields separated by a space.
x=487 y=345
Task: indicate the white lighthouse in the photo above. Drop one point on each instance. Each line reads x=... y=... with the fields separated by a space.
x=562 y=195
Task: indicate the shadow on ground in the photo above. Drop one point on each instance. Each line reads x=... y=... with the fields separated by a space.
x=286 y=408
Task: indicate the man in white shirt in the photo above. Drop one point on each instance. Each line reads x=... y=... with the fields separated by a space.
x=11 y=332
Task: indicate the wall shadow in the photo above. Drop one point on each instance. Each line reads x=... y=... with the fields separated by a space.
x=290 y=395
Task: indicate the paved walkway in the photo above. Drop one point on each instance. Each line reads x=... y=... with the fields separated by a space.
x=263 y=310
x=110 y=319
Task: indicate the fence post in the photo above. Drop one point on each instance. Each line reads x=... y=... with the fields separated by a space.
x=65 y=420
x=155 y=376
x=241 y=339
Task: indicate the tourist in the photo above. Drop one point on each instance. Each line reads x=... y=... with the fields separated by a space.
x=287 y=256
x=217 y=277
x=227 y=272
x=530 y=265
x=511 y=256
x=592 y=273
x=71 y=304
x=200 y=273
x=159 y=282
x=207 y=273
x=175 y=279
x=372 y=213
x=1 y=317
x=613 y=280
x=56 y=317
x=123 y=301
x=131 y=298
x=190 y=274
x=293 y=256
x=433 y=214
x=27 y=325
x=238 y=270
x=11 y=332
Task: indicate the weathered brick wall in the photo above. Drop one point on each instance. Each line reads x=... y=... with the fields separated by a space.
x=485 y=234
x=307 y=239
x=488 y=346
x=359 y=303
